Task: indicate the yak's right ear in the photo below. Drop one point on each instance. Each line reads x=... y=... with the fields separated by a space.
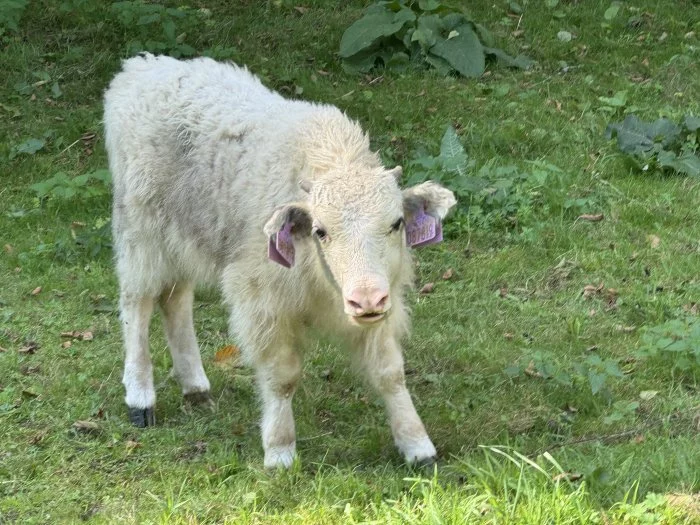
x=288 y=221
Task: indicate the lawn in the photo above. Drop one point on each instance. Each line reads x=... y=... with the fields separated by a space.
x=555 y=361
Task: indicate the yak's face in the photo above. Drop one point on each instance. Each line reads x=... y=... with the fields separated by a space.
x=358 y=225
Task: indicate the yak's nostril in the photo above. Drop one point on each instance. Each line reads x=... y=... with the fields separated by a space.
x=354 y=304
x=367 y=301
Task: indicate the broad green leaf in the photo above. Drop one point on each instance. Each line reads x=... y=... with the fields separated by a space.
x=515 y=7
x=370 y=28
x=551 y=3
x=103 y=175
x=28 y=147
x=428 y=5
x=169 y=29
x=485 y=36
x=666 y=159
x=618 y=100
x=611 y=12
x=453 y=21
x=427 y=31
x=521 y=61
x=361 y=62
x=688 y=164
x=464 y=52
x=637 y=137
x=597 y=381
x=691 y=123
x=148 y=19
x=81 y=180
x=452 y=154
x=441 y=65
x=399 y=61
x=56 y=90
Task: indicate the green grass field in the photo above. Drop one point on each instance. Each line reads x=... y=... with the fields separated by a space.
x=526 y=365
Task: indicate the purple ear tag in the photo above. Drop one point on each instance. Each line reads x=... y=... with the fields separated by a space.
x=281 y=247
x=423 y=229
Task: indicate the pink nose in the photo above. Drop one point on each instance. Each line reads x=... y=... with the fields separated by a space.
x=362 y=301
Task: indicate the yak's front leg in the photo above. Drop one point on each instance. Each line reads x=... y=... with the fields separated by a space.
x=385 y=370
x=278 y=371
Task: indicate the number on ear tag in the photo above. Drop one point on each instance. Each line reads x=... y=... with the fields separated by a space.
x=281 y=247
x=423 y=229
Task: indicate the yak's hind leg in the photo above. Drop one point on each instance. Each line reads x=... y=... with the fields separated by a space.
x=176 y=305
x=140 y=397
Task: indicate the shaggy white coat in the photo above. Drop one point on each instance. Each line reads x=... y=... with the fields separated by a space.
x=206 y=164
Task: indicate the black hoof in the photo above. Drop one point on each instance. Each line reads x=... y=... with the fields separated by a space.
x=426 y=463
x=142 y=417
x=200 y=399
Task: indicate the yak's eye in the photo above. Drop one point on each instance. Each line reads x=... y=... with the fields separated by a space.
x=395 y=227
x=320 y=233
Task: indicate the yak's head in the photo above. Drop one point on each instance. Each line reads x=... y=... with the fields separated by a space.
x=361 y=224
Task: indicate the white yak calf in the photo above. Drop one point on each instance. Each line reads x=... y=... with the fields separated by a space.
x=282 y=204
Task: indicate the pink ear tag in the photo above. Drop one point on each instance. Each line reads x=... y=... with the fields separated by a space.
x=423 y=229
x=281 y=247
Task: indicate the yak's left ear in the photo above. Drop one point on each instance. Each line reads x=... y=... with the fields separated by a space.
x=428 y=197
x=424 y=208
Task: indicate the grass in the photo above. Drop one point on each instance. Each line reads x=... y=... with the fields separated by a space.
x=504 y=430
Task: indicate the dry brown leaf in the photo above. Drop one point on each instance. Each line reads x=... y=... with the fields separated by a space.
x=568 y=476
x=570 y=408
x=29 y=369
x=77 y=334
x=8 y=248
x=427 y=288
x=654 y=241
x=36 y=291
x=509 y=335
x=131 y=445
x=590 y=290
x=226 y=353
x=531 y=370
x=691 y=308
x=301 y=9
x=625 y=329
x=448 y=274
x=66 y=344
x=29 y=348
x=86 y=427
x=611 y=296
x=596 y=217
x=38 y=437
